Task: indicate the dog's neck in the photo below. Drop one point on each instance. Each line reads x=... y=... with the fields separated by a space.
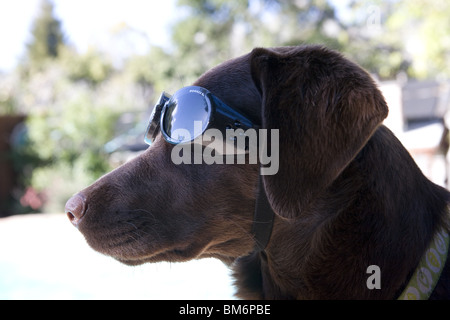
x=278 y=281
x=316 y=257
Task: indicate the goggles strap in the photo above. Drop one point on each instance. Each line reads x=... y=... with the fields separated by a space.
x=263 y=218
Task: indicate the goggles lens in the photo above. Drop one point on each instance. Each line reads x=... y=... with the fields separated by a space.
x=189 y=113
x=186 y=116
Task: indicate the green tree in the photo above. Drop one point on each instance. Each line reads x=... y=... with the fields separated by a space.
x=47 y=35
x=216 y=30
x=424 y=27
x=370 y=41
x=91 y=67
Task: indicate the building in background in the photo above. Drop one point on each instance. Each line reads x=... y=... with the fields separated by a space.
x=419 y=117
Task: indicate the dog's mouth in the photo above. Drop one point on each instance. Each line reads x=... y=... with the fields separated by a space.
x=180 y=254
x=135 y=246
x=175 y=255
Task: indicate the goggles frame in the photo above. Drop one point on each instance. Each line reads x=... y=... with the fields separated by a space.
x=218 y=114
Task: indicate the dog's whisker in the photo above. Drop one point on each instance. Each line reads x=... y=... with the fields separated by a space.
x=141 y=232
x=132 y=225
x=141 y=210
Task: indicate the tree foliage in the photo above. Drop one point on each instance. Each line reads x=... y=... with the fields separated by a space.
x=424 y=27
x=215 y=30
x=47 y=36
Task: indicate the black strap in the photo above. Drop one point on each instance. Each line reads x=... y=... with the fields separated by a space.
x=263 y=219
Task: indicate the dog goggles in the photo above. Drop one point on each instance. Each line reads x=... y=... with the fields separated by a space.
x=189 y=113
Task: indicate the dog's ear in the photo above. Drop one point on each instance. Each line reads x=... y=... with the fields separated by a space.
x=325 y=107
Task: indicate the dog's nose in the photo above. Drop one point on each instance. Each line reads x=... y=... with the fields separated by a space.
x=75 y=209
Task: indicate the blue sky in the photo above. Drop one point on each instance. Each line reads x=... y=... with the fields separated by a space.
x=85 y=22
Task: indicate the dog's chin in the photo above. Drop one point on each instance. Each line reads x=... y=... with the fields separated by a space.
x=171 y=256
x=179 y=255
x=130 y=257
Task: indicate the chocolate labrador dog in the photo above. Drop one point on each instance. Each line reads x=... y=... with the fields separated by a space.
x=347 y=214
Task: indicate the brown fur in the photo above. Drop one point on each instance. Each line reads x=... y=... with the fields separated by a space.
x=347 y=195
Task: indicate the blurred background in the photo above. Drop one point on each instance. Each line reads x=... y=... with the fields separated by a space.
x=78 y=80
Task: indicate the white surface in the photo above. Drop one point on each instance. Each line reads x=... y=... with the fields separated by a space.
x=45 y=257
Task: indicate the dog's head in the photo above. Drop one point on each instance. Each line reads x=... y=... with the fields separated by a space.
x=151 y=209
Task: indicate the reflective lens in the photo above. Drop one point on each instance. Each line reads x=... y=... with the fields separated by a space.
x=186 y=115
x=189 y=113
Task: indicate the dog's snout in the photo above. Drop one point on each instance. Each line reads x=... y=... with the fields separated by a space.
x=75 y=209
